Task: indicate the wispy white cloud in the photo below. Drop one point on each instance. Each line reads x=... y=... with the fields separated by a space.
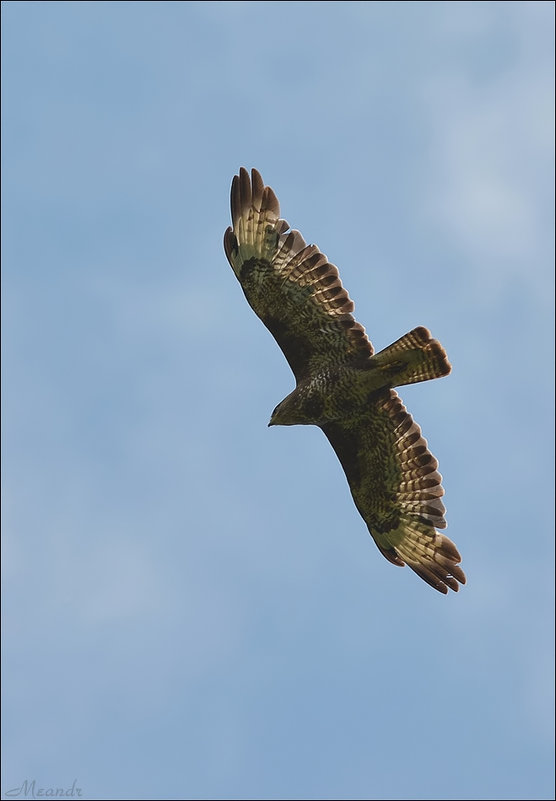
x=492 y=159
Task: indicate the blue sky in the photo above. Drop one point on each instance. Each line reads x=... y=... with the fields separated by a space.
x=192 y=606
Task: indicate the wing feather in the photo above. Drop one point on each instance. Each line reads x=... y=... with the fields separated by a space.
x=397 y=489
x=290 y=285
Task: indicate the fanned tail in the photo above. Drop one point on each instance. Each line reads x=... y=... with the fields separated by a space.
x=414 y=357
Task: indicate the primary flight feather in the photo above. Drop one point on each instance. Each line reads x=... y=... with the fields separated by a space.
x=342 y=386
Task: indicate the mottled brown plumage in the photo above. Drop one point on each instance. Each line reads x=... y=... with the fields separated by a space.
x=342 y=386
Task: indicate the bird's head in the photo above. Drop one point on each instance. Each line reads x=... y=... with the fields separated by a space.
x=282 y=414
x=298 y=408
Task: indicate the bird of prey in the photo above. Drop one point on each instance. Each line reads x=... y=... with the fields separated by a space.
x=342 y=386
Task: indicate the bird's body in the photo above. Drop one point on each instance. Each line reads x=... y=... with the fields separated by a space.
x=342 y=386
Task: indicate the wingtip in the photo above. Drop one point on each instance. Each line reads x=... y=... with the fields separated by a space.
x=249 y=190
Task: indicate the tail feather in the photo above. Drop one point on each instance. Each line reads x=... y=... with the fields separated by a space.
x=414 y=357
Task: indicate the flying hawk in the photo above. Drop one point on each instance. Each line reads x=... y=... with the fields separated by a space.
x=342 y=386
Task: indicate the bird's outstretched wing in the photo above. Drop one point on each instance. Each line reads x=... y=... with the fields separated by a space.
x=291 y=286
x=397 y=489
